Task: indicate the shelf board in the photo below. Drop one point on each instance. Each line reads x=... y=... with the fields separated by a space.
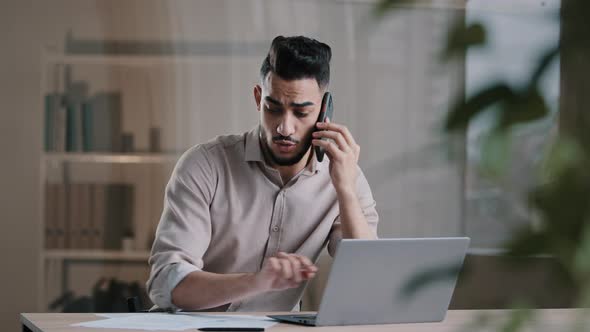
x=96 y=255
x=122 y=158
x=146 y=60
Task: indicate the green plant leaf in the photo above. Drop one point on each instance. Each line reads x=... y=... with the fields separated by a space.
x=543 y=63
x=386 y=6
x=525 y=108
x=495 y=153
x=517 y=320
x=461 y=37
x=564 y=153
x=582 y=256
x=463 y=112
x=564 y=203
x=526 y=242
x=427 y=277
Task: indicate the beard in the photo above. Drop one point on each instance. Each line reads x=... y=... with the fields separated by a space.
x=303 y=146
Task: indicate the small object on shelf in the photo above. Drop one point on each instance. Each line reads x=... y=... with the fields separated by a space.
x=127 y=144
x=128 y=242
x=155 y=140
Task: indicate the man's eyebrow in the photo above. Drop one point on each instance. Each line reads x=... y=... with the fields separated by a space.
x=278 y=103
x=307 y=103
x=273 y=101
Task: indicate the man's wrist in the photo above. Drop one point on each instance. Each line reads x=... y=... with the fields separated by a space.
x=256 y=281
x=345 y=192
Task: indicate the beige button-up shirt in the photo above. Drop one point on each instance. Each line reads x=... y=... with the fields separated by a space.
x=226 y=210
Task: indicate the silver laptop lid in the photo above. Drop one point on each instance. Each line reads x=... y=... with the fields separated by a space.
x=380 y=281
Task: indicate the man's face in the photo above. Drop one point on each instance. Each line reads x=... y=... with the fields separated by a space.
x=288 y=113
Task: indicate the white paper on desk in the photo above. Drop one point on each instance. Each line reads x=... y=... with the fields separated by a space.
x=175 y=322
x=115 y=315
x=237 y=321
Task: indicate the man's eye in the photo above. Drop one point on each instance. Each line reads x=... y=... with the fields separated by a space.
x=300 y=114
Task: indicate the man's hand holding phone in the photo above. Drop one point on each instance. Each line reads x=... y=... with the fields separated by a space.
x=343 y=152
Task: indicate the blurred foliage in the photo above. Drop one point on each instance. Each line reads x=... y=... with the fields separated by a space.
x=560 y=197
x=429 y=276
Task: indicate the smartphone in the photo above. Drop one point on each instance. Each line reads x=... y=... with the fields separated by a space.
x=326 y=112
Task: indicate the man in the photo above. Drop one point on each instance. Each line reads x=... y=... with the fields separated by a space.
x=245 y=215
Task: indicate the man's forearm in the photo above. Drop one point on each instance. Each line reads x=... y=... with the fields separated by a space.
x=353 y=222
x=202 y=290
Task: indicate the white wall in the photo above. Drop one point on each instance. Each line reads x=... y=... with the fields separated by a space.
x=19 y=146
x=387 y=86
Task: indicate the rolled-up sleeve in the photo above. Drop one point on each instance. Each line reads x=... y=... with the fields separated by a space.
x=367 y=204
x=184 y=231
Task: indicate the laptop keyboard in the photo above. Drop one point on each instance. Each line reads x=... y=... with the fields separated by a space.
x=311 y=316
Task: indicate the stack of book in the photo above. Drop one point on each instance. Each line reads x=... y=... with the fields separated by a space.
x=88 y=215
x=75 y=122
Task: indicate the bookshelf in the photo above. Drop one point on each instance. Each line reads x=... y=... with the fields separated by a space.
x=140 y=60
x=73 y=174
x=121 y=158
x=97 y=255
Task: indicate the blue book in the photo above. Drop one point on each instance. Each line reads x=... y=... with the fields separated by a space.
x=75 y=96
x=105 y=109
x=72 y=127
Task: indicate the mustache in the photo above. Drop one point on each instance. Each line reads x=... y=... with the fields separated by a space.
x=284 y=138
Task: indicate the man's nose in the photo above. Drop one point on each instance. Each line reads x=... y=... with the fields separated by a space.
x=286 y=127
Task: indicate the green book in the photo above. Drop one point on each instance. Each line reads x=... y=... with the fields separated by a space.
x=87 y=127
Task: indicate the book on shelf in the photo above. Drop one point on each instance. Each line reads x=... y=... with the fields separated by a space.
x=55 y=123
x=78 y=224
x=87 y=126
x=75 y=95
x=85 y=216
x=51 y=216
x=74 y=217
x=61 y=216
x=103 y=117
x=98 y=215
x=75 y=122
x=88 y=215
x=119 y=214
x=52 y=104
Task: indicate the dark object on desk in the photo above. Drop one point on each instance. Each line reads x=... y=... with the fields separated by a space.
x=231 y=329
x=107 y=296
x=69 y=303
x=133 y=304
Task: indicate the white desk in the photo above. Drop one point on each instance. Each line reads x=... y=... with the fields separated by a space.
x=554 y=320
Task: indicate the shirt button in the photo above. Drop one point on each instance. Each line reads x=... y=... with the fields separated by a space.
x=275 y=229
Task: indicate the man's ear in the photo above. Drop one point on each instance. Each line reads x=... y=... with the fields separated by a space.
x=257 y=95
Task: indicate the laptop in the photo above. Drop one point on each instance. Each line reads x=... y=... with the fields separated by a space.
x=385 y=281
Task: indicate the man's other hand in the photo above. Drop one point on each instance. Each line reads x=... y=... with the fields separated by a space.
x=284 y=271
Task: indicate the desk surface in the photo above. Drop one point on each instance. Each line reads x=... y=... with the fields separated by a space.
x=456 y=320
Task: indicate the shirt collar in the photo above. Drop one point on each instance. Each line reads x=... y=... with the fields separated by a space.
x=254 y=152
